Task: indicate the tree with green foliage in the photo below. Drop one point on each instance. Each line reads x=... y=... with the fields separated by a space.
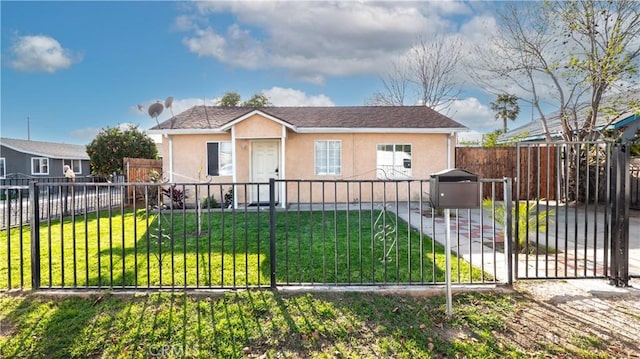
x=257 y=100
x=113 y=144
x=233 y=99
x=491 y=139
x=506 y=108
x=230 y=99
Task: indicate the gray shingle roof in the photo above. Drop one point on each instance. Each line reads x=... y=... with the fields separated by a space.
x=47 y=149
x=357 y=117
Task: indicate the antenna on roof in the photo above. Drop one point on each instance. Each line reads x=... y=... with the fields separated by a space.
x=155 y=110
x=168 y=103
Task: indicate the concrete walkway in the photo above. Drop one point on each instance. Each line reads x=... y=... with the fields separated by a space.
x=577 y=234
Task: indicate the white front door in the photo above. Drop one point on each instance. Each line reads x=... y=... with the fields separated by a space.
x=265 y=164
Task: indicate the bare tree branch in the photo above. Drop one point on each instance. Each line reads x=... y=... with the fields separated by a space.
x=577 y=51
x=433 y=66
x=429 y=68
x=395 y=83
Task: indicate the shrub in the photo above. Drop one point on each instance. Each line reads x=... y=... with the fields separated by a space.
x=209 y=202
x=528 y=220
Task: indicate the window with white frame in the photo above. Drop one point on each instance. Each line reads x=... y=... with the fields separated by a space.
x=39 y=166
x=219 y=159
x=328 y=156
x=75 y=165
x=3 y=167
x=394 y=161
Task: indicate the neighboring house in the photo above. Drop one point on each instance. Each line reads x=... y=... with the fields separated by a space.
x=25 y=158
x=533 y=130
x=620 y=119
x=241 y=144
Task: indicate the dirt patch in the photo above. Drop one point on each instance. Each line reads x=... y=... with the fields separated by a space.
x=570 y=318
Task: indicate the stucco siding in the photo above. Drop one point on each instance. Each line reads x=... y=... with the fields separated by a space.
x=190 y=158
x=258 y=127
x=359 y=162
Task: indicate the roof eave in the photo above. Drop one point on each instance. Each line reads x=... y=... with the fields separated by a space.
x=207 y=131
x=378 y=130
x=44 y=154
x=187 y=131
x=232 y=123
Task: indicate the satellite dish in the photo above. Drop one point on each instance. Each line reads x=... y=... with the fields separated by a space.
x=168 y=102
x=156 y=109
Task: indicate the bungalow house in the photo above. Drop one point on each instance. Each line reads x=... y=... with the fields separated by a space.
x=242 y=144
x=27 y=159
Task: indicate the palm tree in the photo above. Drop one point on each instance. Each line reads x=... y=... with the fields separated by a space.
x=506 y=108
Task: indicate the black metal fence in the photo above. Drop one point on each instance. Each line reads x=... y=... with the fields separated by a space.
x=316 y=233
x=634 y=188
x=576 y=235
x=232 y=235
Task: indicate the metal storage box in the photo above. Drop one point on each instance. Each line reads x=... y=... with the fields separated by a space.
x=454 y=188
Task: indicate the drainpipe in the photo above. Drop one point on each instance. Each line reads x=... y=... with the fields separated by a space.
x=234 y=178
x=234 y=165
x=283 y=167
x=170 y=157
x=449 y=138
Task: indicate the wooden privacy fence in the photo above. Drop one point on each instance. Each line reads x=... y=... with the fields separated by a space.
x=139 y=170
x=538 y=166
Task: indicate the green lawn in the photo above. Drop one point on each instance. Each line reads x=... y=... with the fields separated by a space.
x=255 y=324
x=222 y=249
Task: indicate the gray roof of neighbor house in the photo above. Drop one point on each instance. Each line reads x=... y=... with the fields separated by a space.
x=352 y=117
x=533 y=130
x=47 y=149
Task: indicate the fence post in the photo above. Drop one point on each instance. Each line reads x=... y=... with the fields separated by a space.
x=620 y=217
x=508 y=228
x=8 y=226
x=35 y=235
x=272 y=230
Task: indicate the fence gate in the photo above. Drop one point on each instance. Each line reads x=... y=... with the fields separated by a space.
x=572 y=218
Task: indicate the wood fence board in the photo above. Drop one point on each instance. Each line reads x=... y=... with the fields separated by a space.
x=537 y=167
x=139 y=170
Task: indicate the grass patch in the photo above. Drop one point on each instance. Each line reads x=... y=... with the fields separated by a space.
x=223 y=249
x=271 y=324
x=246 y=324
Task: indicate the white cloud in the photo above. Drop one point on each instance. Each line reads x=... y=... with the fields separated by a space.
x=279 y=96
x=473 y=114
x=206 y=43
x=470 y=136
x=315 y=39
x=40 y=53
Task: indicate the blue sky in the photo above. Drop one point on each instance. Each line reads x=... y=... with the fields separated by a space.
x=73 y=68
